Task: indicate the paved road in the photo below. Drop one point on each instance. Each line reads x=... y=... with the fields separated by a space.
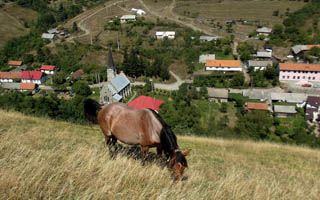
x=162 y=86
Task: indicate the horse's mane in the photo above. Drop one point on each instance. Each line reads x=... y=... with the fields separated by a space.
x=168 y=139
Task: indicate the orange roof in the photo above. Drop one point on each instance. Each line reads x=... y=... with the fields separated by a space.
x=27 y=86
x=15 y=62
x=256 y=106
x=299 y=67
x=310 y=46
x=10 y=75
x=223 y=63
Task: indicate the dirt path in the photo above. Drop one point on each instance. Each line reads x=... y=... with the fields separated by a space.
x=174 y=17
x=81 y=19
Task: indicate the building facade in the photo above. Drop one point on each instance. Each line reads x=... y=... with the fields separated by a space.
x=224 y=65
x=299 y=72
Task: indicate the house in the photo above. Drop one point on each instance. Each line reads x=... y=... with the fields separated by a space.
x=259 y=64
x=256 y=106
x=263 y=55
x=298 y=50
x=116 y=89
x=299 y=72
x=224 y=65
x=10 y=86
x=48 y=36
x=127 y=18
x=312 y=108
x=204 y=57
x=207 y=38
x=165 y=34
x=14 y=63
x=138 y=11
x=256 y=94
x=28 y=87
x=284 y=110
x=264 y=31
x=218 y=95
x=143 y=102
x=53 y=31
x=48 y=69
x=297 y=98
x=77 y=74
x=9 y=77
x=35 y=77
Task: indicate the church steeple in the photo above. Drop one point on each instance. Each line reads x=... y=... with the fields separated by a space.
x=111 y=68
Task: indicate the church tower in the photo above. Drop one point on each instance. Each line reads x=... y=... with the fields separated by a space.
x=111 y=68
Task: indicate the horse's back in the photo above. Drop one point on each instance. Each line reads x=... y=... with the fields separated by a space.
x=129 y=125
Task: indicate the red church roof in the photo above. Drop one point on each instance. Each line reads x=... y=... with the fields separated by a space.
x=31 y=75
x=48 y=67
x=143 y=102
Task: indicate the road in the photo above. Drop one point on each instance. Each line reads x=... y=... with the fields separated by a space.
x=161 y=86
x=174 y=17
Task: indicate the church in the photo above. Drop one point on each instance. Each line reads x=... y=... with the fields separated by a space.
x=117 y=87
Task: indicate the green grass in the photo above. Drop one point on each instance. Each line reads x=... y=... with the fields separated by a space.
x=46 y=159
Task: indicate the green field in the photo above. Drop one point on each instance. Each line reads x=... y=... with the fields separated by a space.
x=46 y=159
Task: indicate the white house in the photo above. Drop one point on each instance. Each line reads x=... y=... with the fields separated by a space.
x=48 y=36
x=138 y=11
x=208 y=38
x=224 y=65
x=35 y=77
x=259 y=64
x=264 y=31
x=48 y=69
x=263 y=54
x=163 y=34
x=204 y=57
x=127 y=18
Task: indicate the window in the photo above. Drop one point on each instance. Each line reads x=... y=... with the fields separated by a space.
x=303 y=77
x=298 y=77
x=313 y=78
x=309 y=77
x=294 y=77
x=283 y=77
x=288 y=77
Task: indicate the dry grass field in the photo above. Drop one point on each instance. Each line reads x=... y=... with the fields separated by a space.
x=12 y=18
x=238 y=9
x=46 y=159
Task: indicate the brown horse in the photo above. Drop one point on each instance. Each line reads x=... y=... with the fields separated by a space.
x=144 y=127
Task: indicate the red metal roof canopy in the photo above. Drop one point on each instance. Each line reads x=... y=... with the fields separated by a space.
x=143 y=102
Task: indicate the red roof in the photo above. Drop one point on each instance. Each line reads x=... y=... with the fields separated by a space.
x=143 y=102
x=15 y=62
x=256 y=106
x=299 y=67
x=31 y=75
x=27 y=86
x=10 y=75
x=48 y=67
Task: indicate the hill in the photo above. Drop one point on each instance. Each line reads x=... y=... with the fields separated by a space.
x=41 y=159
x=13 y=21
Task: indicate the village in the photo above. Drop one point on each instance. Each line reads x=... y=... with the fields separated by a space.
x=221 y=69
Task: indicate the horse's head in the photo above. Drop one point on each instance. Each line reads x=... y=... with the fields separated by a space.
x=178 y=163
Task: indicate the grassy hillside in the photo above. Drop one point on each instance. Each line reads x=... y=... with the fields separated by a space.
x=42 y=158
x=12 y=20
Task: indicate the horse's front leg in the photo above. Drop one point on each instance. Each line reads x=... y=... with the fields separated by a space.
x=159 y=151
x=144 y=151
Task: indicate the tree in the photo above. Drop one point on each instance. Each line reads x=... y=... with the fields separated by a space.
x=81 y=88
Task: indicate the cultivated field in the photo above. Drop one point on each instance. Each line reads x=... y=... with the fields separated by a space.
x=12 y=19
x=45 y=159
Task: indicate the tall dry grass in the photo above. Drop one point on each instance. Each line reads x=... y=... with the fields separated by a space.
x=45 y=159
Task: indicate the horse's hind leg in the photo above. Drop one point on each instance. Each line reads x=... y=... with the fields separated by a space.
x=110 y=144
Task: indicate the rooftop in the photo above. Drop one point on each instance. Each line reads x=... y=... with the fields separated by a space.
x=264 y=54
x=218 y=93
x=15 y=62
x=298 y=48
x=223 y=63
x=289 y=97
x=143 y=102
x=299 y=67
x=48 y=67
x=256 y=106
x=31 y=75
x=27 y=86
x=47 y=36
x=10 y=75
x=284 y=109
x=10 y=86
x=120 y=82
x=264 y=30
x=260 y=63
x=124 y=17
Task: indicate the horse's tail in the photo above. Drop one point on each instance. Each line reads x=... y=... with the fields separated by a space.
x=91 y=109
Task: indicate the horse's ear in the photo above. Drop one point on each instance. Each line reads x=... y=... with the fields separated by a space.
x=186 y=152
